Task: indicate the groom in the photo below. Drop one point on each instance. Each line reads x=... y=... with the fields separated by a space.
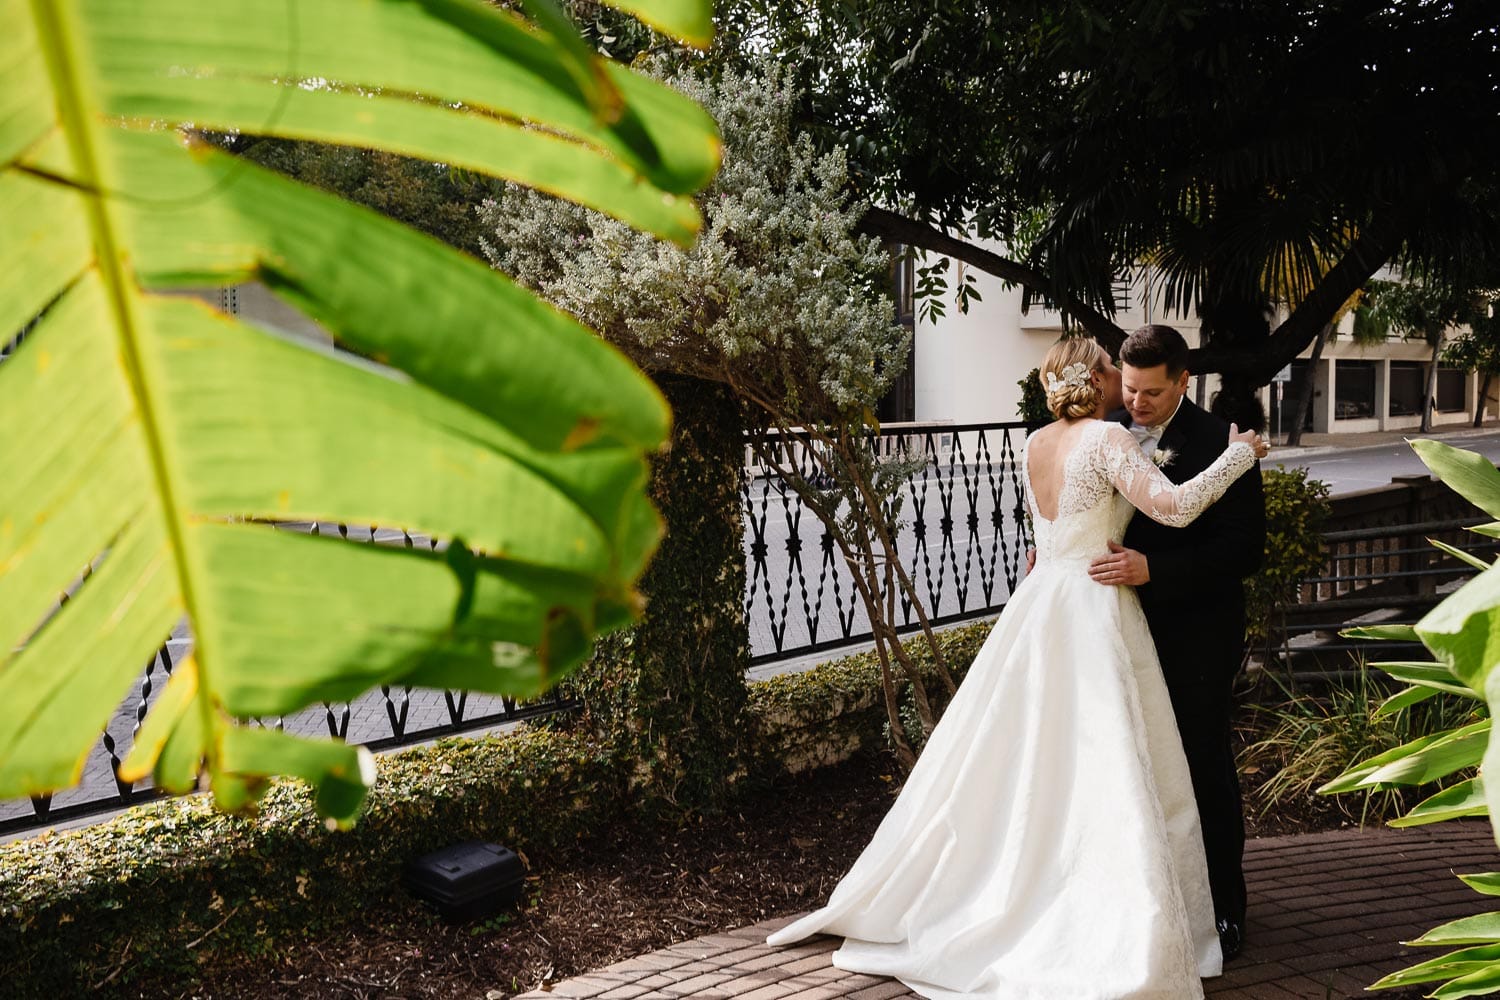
x=1189 y=583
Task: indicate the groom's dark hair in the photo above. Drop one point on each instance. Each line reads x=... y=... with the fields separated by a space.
x=1156 y=345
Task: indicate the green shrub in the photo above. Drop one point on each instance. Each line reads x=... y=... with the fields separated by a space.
x=669 y=692
x=168 y=886
x=1296 y=509
x=1310 y=737
x=826 y=714
x=1033 y=405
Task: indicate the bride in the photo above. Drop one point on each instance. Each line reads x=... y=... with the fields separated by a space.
x=1046 y=845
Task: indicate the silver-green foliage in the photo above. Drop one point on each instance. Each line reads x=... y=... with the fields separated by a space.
x=1463 y=635
x=779 y=297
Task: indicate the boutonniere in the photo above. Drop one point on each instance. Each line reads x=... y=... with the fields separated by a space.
x=1163 y=457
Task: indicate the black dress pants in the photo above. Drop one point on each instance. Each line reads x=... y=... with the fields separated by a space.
x=1200 y=666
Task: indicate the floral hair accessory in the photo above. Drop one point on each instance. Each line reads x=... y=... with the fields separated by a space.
x=1073 y=376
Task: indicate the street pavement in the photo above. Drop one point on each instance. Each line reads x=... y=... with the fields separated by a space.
x=1366 y=461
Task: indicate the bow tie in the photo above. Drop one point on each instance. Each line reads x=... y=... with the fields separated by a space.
x=1141 y=432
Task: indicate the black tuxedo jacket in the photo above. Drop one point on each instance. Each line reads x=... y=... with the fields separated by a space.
x=1195 y=600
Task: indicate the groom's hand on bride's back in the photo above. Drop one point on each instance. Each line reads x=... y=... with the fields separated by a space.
x=1121 y=568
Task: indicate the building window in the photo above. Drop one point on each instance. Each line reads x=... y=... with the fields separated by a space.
x=1408 y=382
x=1354 y=390
x=899 y=404
x=1450 y=390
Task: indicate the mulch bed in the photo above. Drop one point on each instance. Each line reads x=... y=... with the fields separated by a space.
x=632 y=891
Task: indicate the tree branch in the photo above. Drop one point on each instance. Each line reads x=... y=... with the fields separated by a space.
x=1369 y=251
x=884 y=223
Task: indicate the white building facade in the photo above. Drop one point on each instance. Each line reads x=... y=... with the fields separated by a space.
x=966 y=367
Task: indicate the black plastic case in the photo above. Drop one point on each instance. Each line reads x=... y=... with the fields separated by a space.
x=467 y=881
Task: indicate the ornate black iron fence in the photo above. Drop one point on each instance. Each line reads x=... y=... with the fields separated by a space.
x=390 y=717
x=963 y=538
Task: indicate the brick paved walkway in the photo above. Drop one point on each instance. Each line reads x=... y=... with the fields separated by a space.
x=1327 y=917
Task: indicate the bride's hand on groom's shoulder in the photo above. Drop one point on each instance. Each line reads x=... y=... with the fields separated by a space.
x=1255 y=441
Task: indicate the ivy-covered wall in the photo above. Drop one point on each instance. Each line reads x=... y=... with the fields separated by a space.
x=669 y=694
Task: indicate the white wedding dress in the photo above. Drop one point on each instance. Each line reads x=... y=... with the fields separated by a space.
x=1046 y=845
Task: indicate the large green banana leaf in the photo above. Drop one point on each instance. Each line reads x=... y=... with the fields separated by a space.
x=151 y=445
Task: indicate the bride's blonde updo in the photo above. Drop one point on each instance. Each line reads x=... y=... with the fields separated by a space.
x=1066 y=376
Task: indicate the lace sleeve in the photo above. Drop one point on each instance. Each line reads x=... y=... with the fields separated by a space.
x=1153 y=494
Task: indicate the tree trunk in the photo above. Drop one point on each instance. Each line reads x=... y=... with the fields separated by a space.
x=1237 y=403
x=1484 y=398
x=1428 y=396
x=1304 y=401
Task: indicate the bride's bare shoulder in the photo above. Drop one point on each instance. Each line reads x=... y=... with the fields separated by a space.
x=1044 y=434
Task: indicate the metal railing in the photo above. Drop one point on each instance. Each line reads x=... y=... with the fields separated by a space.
x=1385 y=575
x=383 y=719
x=962 y=538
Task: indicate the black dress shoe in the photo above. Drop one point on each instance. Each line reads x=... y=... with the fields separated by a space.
x=1231 y=937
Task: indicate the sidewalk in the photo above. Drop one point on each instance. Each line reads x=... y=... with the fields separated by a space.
x=1328 y=913
x=1322 y=444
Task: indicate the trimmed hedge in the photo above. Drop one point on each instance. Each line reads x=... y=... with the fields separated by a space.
x=827 y=714
x=1296 y=509
x=172 y=885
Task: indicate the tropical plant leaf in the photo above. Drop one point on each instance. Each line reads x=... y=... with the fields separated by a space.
x=1479 y=983
x=1464 y=630
x=1483 y=928
x=1485 y=882
x=153 y=445
x=692 y=22
x=1450 y=752
x=1467 y=473
x=1403 y=700
x=1463 y=799
x=497 y=73
x=1459 y=554
x=1421 y=760
x=1490 y=530
x=1425 y=673
x=1449 y=966
x=1399 y=633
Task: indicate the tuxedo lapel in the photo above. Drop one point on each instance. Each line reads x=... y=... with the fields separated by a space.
x=1178 y=439
x=1176 y=435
